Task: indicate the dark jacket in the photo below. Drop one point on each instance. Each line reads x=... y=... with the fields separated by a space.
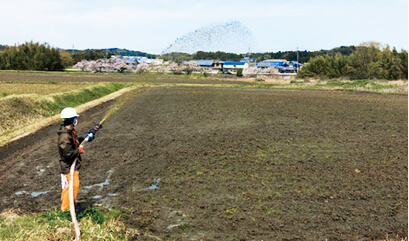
x=68 y=143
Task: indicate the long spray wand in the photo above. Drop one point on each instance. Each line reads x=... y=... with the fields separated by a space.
x=90 y=136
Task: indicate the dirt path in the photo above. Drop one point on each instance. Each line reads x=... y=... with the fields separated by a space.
x=228 y=164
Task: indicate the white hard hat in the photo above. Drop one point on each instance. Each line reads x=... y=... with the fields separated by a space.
x=68 y=112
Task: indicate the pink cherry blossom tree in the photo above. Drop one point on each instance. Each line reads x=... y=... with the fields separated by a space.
x=176 y=68
x=142 y=68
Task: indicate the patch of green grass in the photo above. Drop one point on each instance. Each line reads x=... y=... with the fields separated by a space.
x=55 y=215
x=153 y=202
x=92 y=213
x=231 y=210
x=95 y=224
x=81 y=97
x=381 y=86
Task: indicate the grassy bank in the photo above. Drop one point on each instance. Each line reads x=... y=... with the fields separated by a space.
x=22 y=109
x=378 y=86
x=95 y=224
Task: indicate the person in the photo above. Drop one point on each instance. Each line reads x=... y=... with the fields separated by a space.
x=70 y=149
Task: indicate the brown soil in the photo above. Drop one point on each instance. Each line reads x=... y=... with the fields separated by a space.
x=235 y=164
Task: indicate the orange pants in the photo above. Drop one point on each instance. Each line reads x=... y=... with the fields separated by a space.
x=65 y=180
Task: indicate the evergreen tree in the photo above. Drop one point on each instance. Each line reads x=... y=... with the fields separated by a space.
x=403 y=56
x=31 y=56
x=368 y=61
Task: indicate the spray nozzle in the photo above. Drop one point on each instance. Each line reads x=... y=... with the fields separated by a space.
x=91 y=133
x=98 y=127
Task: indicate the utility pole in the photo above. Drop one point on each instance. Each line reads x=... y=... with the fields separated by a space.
x=298 y=63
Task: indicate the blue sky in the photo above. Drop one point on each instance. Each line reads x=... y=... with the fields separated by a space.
x=152 y=25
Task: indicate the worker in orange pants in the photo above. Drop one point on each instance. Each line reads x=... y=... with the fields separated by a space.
x=65 y=180
x=70 y=149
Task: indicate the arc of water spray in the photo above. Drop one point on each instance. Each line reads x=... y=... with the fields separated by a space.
x=228 y=37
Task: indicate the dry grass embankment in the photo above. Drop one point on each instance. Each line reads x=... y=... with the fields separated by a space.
x=21 y=110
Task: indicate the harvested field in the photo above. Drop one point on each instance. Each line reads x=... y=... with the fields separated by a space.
x=64 y=79
x=40 y=89
x=201 y=163
x=112 y=77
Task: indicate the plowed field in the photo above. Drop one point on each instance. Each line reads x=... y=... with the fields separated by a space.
x=202 y=163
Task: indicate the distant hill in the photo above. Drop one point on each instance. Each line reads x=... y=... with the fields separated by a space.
x=303 y=56
x=93 y=54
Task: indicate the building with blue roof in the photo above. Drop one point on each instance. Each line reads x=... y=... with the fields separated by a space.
x=271 y=63
x=205 y=63
x=282 y=65
x=208 y=63
x=234 y=63
x=232 y=66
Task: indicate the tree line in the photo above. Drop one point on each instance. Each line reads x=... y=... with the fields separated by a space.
x=94 y=54
x=368 y=61
x=303 y=56
x=36 y=56
x=22 y=56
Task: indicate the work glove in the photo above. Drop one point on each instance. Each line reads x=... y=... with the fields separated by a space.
x=81 y=149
